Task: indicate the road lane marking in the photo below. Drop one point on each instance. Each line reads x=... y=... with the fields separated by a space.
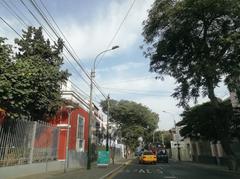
x=141 y=171
x=169 y=177
x=148 y=171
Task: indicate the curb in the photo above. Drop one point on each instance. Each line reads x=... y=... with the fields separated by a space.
x=115 y=170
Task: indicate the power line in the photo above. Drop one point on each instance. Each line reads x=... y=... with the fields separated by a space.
x=10 y=27
x=79 y=88
x=48 y=35
x=19 y=11
x=134 y=93
x=146 y=91
x=138 y=92
x=54 y=31
x=8 y=7
x=45 y=29
x=52 y=38
x=127 y=81
x=119 y=28
x=44 y=6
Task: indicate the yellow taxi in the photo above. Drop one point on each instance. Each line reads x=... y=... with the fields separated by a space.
x=148 y=157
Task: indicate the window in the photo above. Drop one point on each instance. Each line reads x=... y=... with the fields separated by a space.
x=80 y=134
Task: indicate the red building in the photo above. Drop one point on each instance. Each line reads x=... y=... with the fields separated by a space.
x=78 y=131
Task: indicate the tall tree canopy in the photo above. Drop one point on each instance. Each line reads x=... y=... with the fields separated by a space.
x=195 y=41
x=134 y=120
x=31 y=78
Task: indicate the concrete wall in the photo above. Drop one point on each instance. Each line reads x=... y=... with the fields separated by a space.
x=76 y=160
x=12 y=172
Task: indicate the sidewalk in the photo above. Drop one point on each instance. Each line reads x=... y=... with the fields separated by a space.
x=214 y=167
x=94 y=173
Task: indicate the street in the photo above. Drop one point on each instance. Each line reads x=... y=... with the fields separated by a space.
x=173 y=170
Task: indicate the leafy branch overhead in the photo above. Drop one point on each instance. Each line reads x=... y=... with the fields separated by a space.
x=196 y=42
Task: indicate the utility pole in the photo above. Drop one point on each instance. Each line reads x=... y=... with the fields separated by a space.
x=89 y=154
x=108 y=98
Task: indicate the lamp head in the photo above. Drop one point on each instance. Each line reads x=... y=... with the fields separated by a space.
x=115 y=47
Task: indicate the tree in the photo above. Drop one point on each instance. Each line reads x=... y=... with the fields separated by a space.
x=209 y=121
x=212 y=123
x=163 y=137
x=196 y=42
x=31 y=78
x=134 y=120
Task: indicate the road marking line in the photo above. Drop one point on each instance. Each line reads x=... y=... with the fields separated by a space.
x=116 y=170
x=169 y=177
x=110 y=173
x=141 y=171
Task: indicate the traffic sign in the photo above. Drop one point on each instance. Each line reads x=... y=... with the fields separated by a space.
x=103 y=158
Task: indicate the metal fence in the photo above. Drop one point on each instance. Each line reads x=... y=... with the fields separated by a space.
x=23 y=142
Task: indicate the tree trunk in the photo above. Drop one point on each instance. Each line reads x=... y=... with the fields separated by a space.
x=211 y=93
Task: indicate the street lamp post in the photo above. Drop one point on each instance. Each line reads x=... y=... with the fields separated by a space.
x=177 y=137
x=107 y=147
x=90 y=105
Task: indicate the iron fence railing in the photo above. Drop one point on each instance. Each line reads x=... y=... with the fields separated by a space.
x=23 y=142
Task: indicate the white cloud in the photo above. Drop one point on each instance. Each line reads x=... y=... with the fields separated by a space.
x=94 y=36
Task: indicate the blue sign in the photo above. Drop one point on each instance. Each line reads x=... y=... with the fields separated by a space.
x=103 y=158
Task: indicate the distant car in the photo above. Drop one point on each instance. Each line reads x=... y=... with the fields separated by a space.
x=162 y=156
x=148 y=157
x=138 y=153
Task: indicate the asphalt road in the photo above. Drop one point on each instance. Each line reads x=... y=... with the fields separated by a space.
x=173 y=170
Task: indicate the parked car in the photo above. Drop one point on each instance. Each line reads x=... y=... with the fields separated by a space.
x=162 y=156
x=148 y=157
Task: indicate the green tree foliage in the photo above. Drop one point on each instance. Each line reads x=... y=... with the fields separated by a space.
x=31 y=78
x=134 y=120
x=210 y=122
x=163 y=136
x=195 y=41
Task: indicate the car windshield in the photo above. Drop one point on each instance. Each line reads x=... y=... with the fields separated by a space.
x=162 y=152
x=147 y=153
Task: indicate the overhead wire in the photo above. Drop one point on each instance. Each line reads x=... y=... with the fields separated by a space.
x=34 y=16
x=119 y=28
x=53 y=39
x=10 y=27
x=8 y=7
x=19 y=11
x=47 y=34
x=65 y=38
x=129 y=80
x=68 y=50
x=140 y=92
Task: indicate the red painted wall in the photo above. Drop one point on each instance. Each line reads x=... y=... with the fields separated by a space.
x=62 y=118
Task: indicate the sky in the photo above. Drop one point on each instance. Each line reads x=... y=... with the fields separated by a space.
x=90 y=27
